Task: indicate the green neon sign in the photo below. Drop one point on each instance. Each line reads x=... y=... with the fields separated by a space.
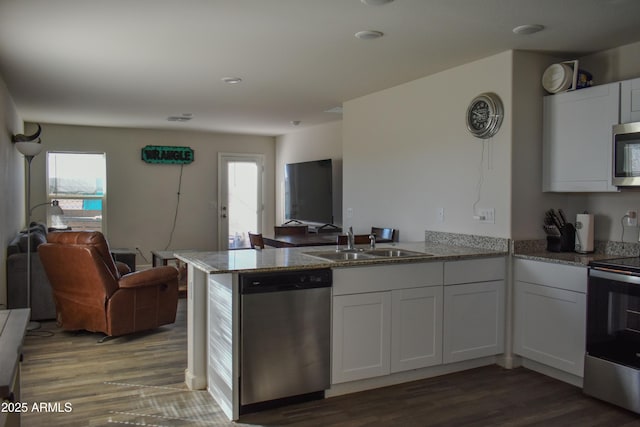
x=158 y=154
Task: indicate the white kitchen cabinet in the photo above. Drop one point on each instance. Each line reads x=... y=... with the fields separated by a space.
x=577 y=139
x=474 y=321
x=395 y=318
x=361 y=336
x=630 y=101
x=550 y=314
x=416 y=328
x=386 y=319
x=474 y=309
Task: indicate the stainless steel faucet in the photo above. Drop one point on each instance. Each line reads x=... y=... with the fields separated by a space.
x=350 y=240
x=372 y=241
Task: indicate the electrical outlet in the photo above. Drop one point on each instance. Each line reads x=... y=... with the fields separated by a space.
x=349 y=212
x=631 y=218
x=441 y=214
x=486 y=216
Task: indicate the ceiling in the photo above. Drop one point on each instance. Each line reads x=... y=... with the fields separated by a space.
x=135 y=63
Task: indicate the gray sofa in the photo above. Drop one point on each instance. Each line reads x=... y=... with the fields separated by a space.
x=42 y=305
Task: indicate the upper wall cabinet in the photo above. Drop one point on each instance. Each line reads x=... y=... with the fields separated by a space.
x=630 y=101
x=577 y=139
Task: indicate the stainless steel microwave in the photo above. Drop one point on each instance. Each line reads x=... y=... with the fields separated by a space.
x=626 y=154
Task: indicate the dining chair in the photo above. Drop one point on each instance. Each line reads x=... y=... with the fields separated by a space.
x=256 y=241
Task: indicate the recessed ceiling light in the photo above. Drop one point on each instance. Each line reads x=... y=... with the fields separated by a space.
x=181 y=119
x=336 y=110
x=295 y=122
x=231 y=80
x=528 y=29
x=375 y=2
x=369 y=35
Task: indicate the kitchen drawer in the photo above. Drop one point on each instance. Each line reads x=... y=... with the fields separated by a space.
x=388 y=277
x=561 y=276
x=474 y=270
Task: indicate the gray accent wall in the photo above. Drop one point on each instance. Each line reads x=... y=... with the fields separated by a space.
x=12 y=181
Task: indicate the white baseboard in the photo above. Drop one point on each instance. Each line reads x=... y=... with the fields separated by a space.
x=406 y=376
x=552 y=372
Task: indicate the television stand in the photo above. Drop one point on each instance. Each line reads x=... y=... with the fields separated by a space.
x=328 y=228
x=293 y=221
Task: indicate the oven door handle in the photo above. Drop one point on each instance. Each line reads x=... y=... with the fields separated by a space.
x=618 y=277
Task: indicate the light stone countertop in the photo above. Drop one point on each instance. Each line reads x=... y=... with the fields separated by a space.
x=272 y=259
x=567 y=258
x=536 y=250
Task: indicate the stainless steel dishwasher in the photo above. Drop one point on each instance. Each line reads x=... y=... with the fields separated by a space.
x=285 y=332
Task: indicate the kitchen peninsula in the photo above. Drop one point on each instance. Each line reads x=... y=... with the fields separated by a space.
x=433 y=272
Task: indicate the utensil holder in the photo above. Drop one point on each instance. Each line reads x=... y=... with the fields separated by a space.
x=565 y=242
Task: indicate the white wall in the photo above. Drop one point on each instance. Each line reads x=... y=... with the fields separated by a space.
x=141 y=198
x=407 y=153
x=12 y=208
x=613 y=65
x=313 y=143
x=528 y=202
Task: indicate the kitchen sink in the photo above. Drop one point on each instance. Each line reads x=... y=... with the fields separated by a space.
x=394 y=253
x=341 y=255
x=361 y=254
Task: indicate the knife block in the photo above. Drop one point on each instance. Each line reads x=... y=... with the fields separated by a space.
x=563 y=243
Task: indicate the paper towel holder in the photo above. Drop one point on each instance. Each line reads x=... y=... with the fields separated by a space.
x=584 y=233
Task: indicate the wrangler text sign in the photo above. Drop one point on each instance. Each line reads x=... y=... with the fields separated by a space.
x=167 y=155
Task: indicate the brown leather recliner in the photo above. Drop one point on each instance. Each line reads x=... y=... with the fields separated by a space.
x=91 y=294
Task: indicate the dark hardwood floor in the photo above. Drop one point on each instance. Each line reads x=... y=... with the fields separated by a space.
x=139 y=380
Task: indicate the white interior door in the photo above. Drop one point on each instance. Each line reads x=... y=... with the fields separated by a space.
x=240 y=204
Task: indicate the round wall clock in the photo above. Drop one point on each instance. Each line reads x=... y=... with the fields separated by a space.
x=484 y=115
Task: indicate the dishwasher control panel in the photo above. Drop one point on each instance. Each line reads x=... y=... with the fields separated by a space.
x=285 y=280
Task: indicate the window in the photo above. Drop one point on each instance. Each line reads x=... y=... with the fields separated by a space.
x=78 y=182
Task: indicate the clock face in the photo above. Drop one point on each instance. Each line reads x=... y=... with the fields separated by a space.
x=479 y=115
x=484 y=115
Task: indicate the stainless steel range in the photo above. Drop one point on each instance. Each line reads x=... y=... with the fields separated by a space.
x=612 y=360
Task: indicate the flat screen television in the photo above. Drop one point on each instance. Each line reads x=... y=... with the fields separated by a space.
x=308 y=191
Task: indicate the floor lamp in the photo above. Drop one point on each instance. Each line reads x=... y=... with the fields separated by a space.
x=29 y=147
